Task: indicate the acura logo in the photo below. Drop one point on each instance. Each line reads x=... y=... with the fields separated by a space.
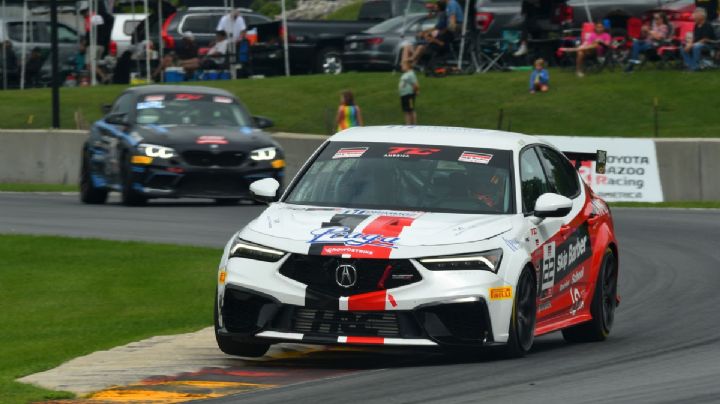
x=345 y=276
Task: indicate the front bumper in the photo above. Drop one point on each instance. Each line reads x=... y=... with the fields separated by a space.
x=256 y=301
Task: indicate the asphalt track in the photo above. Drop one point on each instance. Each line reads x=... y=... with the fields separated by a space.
x=664 y=348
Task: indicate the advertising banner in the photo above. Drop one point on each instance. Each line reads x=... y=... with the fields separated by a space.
x=632 y=173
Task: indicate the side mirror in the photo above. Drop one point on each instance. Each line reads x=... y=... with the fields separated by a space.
x=261 y=122
x=106 y=108
x=117 y=119
x=265 y=190
x=552 y=205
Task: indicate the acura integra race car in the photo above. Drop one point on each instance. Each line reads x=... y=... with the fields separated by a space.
x=422 y=237
x=177 y=141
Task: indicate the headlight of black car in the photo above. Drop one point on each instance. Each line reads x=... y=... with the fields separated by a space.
x=264 y=154
x=483 y=261
x=152 y=150
x=245 y=249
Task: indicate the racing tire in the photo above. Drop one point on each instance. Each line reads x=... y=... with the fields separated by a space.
x=129 y=196
x=602 y=307
x=89 y=193
x=233 y=347
x=227 y=201
x=329 y=61
x=524 y=316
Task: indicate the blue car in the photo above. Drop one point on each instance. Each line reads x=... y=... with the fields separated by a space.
x=177 y=141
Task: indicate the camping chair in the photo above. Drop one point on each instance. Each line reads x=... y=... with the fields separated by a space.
x=494 y=54
x=670 y=53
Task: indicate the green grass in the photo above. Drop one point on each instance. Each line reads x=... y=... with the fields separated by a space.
x=29 y=187
x=684 y=204
x=608 y=104
x=348 y=12
x=61 y=298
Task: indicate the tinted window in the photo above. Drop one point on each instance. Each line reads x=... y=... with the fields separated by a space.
x=532 y=179
x=190 y=110
x=375 y=10
x=560 y=172
x=254 y=19
x=129 y=26
x=426 y=178
x=198 y=24
x=123 y=104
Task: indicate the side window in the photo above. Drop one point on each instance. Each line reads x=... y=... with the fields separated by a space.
x=66 y=34
x=532 y=179
x=560 y=172
x=122 y=105
x=197 y=24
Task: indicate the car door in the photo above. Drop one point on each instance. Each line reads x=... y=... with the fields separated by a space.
x=113 y=136
x=573 y=248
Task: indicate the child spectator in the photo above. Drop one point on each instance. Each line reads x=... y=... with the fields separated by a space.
x=348 y=114
x=539 y=78
x=408 y=88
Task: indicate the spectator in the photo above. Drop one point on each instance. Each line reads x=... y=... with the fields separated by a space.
x=652 y=36
x=216 y=56
x=539 y=78
x=79 y=61
x=593 y=44
x=454 y=16
x=702 y=33
x=530 y=11
x=348 y=114
x=33 y=67
x=187 y=54
x=711 y=8
x=409 y=89
x=234 y=26
x=436 y=38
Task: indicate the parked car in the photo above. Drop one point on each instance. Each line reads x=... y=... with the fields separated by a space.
x=38 y=36
x=494 y=16
x=121 y=34
x=177 y=141
x=378 y=47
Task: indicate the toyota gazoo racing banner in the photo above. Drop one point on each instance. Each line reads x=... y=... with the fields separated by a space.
x=632 y=173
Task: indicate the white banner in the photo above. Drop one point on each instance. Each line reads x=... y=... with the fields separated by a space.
x=632 y=173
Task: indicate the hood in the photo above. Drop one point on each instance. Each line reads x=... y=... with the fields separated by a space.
x=357 y=227
x=184 y=137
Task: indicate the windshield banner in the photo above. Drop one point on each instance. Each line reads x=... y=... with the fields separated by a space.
x=632 y=173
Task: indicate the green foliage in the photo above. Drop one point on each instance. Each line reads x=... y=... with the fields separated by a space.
x=348 y=12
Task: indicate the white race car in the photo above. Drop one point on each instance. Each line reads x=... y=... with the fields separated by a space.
x=422 y=237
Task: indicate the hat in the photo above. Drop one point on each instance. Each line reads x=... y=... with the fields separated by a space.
x=188 y=35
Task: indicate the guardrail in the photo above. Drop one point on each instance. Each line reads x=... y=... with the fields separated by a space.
x=689 y=169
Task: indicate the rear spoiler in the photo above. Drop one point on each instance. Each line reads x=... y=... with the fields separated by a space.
x=599 y=157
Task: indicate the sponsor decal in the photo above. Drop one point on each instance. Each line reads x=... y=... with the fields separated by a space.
x=548 y=270
x=353 y=152
x=577 y=276
x=212 y=140
x=474 y=157
x=377 y=212
x=577 y=300
x=345 y=236
x=155 y=98
x=223 y=100
x=348 y=251
x=558 y=261
x=189 y=97
x=502 y=293
x=513 y=244
x=545 y=306
x=150 y=105
x=564 y=285
x=407 y=152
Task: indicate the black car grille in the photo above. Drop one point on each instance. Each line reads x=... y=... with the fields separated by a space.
x=333 y=322
x=213 y=184
x=209 y=159
x=240 y=310
x=319 y=273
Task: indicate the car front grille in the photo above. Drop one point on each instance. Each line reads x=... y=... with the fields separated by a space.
x=213 y=184
x=209 y=159
x=333 y=322
x=319 y=273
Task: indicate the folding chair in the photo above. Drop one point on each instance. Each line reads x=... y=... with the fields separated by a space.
x=493 y=53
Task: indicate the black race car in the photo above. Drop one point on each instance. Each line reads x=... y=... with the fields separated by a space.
x=177 y=141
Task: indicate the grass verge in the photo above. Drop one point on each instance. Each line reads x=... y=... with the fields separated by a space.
x=349 y=12
x=28 y=187
x=684 y=204
x=607 y=104
x=62 y=298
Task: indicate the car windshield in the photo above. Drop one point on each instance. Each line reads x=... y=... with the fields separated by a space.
x=393 y=24
x=427 y=178
x=190 y=109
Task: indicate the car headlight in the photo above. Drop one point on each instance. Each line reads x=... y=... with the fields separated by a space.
x=244 y=249
x=483 y=261
x=266 y=153
x=152 y=150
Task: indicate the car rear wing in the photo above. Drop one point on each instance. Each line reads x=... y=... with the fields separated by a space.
x=599 y=157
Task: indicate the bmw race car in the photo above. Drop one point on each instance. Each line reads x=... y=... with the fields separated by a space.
x=422 y=237
x=177 y=141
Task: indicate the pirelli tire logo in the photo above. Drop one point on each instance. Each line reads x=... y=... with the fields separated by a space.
x=502 y=293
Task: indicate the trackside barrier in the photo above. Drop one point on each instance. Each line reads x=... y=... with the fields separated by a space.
x=650 y=170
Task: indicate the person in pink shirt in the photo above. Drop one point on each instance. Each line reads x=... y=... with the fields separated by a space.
x=593 y=43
